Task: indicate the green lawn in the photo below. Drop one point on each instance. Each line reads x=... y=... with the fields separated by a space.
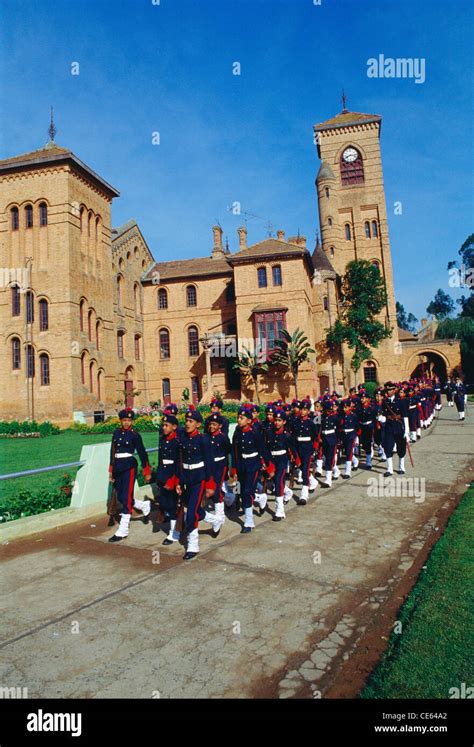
x=17 y=455
x=435 y=651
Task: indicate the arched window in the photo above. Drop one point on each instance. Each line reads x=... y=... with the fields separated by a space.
x=376 y=264
x=276 y=273
x=375 y=231
x=135 y=251
x=191 y=296
x=43 y=315
x=43 y=214
x=81 y=219
x=16 y=354
x=121 y=263
x=144 y=264
x=97 y=335
x=44 y=369
x=97 y=220
x=99 y=384
x=352 y=167
x=331 y=251
x=137 y=347
x=30 y=308
x=81 y=314
x=16 y=301
x=162 y=298
x=89 y=220
x=193 y=341
x=120 y=336
x=325 y=303
x=262 y=277
x=370 y=371
x=326 y=190
x=91 y=377
x=164 y=343
x=30 y=362
x=119 y=290
x=15 y=219
x=89 y=324
x=29 y=216
x=166 y=391
x=329 y=221
x=83 y=368
x=129 y=254
x=367 y=229
x=137 y=299
x=347 y=229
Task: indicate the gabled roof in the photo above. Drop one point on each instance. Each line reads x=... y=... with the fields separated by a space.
x=188 y=268
x=267 y=248
x=124 y=233
x=345 y=119
x=404 y=334
x=53 y=153
x=321 y=262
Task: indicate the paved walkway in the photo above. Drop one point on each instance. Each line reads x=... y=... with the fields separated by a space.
x=277 y=613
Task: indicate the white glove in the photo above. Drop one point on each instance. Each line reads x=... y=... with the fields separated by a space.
x=381 y=418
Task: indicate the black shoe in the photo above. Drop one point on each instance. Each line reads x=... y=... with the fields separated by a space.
x=325 y=485
x=115 y=538
x=388 y=474
x=335 y=478
x=146 y=519
x=245 y=530
x=214 y=533
x=355 y=468
x=301 y=502
x=401 y=471
x=167 y=542
x=368 y=466
x=262 y=510
x=189 y=555
x=346 y=477
x=277 y=518
x=319 y=474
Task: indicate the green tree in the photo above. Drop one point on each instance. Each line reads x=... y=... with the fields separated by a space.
x=250 y=365
x=291 y=350
x=464 y=277
x=363 y=296
x=404 y=320
x=441 y=306
x=462 y=329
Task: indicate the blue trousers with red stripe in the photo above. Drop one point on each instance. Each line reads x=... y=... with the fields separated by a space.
x=348 y=441
x=248 y=482
x=124 y=485
x=329 y=450
x=219 y=474
x=192 y=500
x=305 y=455
x=281 y=465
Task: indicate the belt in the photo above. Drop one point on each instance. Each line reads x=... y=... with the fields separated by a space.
x=168 y=461
x=326 y=433
x=249 y=456
x=278 y=453
x=219 y=459
x=411 y=407
x=366 y=422
x=122 y=456
x=349 y=430
x=193 y=466
x=304 y=438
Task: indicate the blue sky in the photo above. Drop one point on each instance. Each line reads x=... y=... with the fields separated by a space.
x=167 y=68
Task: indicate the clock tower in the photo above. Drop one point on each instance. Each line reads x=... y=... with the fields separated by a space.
x=353 y=215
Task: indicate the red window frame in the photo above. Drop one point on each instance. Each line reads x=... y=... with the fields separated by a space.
x=269 y=323
x=165 y=348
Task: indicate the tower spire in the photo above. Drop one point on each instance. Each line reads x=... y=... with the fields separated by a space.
x=52 y=128
x=344 y=102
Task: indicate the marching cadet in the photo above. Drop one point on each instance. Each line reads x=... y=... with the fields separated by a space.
x=248 y=452
x=220 y=447
x=318 y=411
x=367 y=419
x=379 y=426
x=216 y=407
x=397 y=431
x=460 y=398
x=329 y=423
x=256 y=422
x=172 y=409
x=167 y=474
x=196 y=481
x=412 y=404
x=450 y=389
x=437 y=392
x=282 y=448
x=348 y=426
x=123 y=471
x=306 y=436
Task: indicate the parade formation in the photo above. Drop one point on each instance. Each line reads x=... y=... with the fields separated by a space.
x=201 y=472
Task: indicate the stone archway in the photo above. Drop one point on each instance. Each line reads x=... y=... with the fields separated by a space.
x=428 y=363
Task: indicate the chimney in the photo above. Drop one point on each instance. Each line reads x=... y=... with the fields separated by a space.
x=424 y=322
x=280 y=235
x=242 y=231
x=298 y=240
x=218 y=249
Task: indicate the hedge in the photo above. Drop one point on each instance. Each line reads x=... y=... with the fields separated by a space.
x=26 y=503
x=29 y=426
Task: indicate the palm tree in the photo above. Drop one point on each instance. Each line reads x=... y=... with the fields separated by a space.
x=291 y=350
x=251 y=364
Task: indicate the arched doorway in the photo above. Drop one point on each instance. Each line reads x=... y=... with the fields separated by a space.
x=428 y=364
x=128 y=387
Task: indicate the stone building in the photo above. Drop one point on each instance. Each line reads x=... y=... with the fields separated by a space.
x=90 y=320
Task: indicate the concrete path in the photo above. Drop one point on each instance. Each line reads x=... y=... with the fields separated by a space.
x=277 y=613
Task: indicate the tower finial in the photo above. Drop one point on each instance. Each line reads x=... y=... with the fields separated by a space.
x=344 y=101
x=52 y=128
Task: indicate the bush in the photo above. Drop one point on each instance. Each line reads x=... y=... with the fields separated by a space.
x=370 y=387
x=26 y=503
x=29 y=426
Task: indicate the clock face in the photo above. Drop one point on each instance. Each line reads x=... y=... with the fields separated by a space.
x=350 y=155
